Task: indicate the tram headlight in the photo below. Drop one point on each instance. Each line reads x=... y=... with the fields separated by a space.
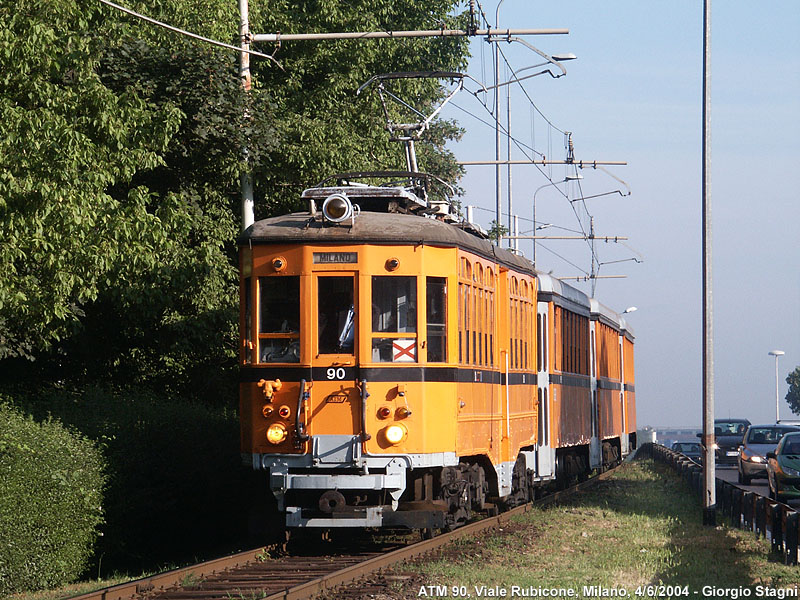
x=395 y=434
x=337 y=208
x=276 y=433
x=279 y=263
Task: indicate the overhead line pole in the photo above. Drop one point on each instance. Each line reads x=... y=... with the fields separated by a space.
x=245 y=177
x=709 y=474
x=508 y=157
x=591 y=277
x=582 y=164
x=498 y=191
x=602 y=238
x=371 y=35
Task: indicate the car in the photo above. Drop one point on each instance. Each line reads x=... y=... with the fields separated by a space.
x=757 y=441
x=691 y=450
x=783 y=468
x=728 y=436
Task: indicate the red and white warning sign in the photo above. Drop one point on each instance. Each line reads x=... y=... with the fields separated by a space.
x=404 y=350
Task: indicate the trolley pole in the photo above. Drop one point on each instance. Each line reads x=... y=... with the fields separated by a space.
x=709 y=474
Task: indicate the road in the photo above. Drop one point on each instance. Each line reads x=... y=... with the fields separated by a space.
x=730 y=474
x=759 y=486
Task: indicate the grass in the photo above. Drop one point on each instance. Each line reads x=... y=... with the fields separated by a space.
x=72 y=589
x=641 y=528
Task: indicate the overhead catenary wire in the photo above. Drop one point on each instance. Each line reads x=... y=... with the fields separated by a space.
x=551 y=251
x=514 y=78
x=195 y=36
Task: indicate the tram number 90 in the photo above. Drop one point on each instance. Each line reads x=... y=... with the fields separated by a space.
x=334 y=373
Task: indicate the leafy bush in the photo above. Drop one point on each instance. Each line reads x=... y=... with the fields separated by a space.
x=177 y=489
x=51 y=487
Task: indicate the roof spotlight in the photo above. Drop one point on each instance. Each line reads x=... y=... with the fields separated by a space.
x=337 y=208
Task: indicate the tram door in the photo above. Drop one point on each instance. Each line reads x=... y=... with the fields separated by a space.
x=334 y=416
x=623 y=436
x=545 y=454
x=595 y=448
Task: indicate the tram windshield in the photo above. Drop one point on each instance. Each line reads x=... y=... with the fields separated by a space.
x=394 y=319
x=335 y=315
x=279 y=319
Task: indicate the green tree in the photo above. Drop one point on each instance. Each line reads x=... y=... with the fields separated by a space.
x=497 y=230
x=65 y=139
x=119 y=161
x=326 y=128
x=793 y=395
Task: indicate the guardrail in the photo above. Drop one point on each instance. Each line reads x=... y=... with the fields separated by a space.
x=777 y=522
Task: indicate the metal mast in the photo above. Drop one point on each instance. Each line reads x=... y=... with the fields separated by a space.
x=245 y=180
x=710 y=497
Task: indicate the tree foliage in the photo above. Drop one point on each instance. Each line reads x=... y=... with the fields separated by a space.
x=120 y=151
x=65 y=139
x=793 y=395
x=327 y=128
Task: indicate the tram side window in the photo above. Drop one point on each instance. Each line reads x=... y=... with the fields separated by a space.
x=279 y=319
x=436 y=292
x=394 y=311
x=247 y=334
x=336 y=317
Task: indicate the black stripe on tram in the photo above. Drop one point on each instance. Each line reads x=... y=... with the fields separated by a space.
x=251 y=374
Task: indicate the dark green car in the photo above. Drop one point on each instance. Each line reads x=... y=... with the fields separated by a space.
x=783 y=468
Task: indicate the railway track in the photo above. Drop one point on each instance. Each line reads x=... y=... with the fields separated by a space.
x=257 y=574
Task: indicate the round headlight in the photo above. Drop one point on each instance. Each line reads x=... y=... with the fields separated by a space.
x=337 y=208
x=276 y=433
x=394 y=434
x=279 y=263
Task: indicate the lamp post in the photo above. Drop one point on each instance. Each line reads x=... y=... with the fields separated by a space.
x=776 y=354
x=567 y=178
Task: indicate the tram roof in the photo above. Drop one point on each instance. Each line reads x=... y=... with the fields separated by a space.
x=378 y=228
x=555 y=290
x=408 y=229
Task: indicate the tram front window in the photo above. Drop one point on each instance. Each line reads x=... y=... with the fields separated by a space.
x=335 y=315
x=279 y=319
x=436 y=318
x=394 y=311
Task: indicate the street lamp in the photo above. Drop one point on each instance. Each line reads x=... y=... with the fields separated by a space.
x=776 y=354
x=567 y=178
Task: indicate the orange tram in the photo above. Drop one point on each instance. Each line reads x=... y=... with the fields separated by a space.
x=399 y=370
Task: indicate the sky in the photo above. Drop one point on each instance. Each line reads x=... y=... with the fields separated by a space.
x=634 y=94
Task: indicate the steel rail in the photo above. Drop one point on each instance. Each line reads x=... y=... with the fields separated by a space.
x=351 y=574
x=161 y=582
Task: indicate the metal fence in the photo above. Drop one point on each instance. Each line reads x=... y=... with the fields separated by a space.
x=775 y=521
